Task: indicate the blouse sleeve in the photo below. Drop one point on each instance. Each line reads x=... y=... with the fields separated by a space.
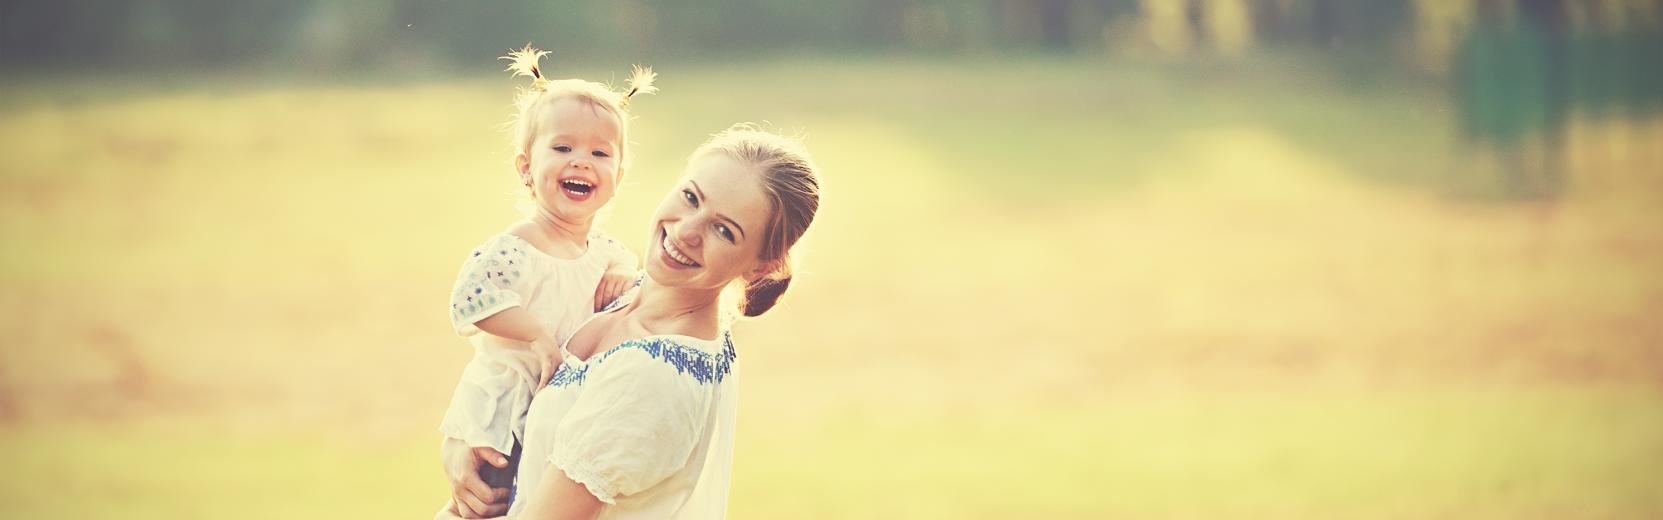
x=636 y=423
x=615 y=251
x=492 y=279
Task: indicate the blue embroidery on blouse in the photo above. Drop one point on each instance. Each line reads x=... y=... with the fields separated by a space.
x=704 y=367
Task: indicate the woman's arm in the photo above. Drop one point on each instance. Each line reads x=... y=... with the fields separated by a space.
x=558 y=497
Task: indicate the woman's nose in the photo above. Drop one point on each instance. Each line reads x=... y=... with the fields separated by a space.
x=687 y=231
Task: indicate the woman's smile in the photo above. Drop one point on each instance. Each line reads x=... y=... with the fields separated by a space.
x=673 y=255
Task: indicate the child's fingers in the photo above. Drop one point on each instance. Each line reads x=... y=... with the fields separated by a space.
x=548 y=373
x=605 y=295
x=601 y=292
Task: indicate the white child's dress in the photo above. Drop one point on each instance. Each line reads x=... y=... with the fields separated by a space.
x=489 y=406
x=646 y=426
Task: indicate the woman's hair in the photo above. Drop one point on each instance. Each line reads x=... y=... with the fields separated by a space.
x=788 y=178
x=544 y=91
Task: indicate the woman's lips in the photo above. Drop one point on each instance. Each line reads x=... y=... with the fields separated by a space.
x=673 y=255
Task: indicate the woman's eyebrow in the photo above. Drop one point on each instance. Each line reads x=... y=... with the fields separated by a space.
x=723 y=217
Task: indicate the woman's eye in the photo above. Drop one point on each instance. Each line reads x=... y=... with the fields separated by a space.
x=599 y=153
x=688 y=196
x=722 y=229
x=562 y=148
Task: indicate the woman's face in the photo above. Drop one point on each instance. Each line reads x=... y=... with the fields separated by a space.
x=709 y=229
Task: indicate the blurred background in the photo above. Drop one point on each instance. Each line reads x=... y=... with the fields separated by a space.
x=1077 y=259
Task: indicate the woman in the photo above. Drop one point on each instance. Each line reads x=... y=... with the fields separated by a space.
x=638 y=422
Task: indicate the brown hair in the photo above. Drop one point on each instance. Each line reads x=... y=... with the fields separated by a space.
x=793 y=190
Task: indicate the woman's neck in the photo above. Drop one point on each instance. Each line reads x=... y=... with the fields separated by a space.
x=557 y=228
x=672 y=310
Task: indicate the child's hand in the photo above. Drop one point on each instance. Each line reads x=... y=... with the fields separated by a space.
x=613 y=284
x=548 y=357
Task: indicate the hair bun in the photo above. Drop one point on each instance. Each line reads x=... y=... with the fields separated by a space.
x=760 y=295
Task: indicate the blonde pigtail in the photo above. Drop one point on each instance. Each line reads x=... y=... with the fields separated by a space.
x=523 y=62
x=640 y=82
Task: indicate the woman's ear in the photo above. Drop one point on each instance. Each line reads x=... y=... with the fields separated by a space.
x=522 y=164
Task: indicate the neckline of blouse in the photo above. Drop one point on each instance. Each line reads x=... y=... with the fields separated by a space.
x=588 y=249
x=714 y=347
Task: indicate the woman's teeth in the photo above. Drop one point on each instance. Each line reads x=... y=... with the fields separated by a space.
x=676 y=254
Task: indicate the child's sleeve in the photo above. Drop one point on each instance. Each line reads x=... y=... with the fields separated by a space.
x=617 y=254
x=492 y=279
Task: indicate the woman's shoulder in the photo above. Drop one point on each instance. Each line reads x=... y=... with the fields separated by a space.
x=663 y=357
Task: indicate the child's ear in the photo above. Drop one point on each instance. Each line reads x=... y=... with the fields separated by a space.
x=522 y=164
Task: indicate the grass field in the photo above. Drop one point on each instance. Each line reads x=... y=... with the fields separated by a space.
x=1037 y=288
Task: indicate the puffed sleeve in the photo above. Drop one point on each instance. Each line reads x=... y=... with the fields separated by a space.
x=492 y=279
x=636 y=423
x=615 y=251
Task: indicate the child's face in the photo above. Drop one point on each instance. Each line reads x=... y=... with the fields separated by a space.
x=709 y=229
x=571 y=164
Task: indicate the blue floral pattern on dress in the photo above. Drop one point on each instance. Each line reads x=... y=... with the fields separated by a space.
x=702 y=366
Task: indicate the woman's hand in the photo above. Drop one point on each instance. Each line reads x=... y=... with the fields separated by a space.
x=470 y=496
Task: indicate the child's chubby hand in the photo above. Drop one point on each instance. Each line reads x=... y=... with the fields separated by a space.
x=613 y=284
x=548 y=355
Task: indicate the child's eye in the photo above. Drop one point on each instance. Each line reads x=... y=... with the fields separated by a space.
x=562 y=148
x=599 y=153
x=722 y=229
x=687 y=195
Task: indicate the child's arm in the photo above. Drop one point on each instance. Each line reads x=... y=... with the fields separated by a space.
x=487 y=299
x=516 y=323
